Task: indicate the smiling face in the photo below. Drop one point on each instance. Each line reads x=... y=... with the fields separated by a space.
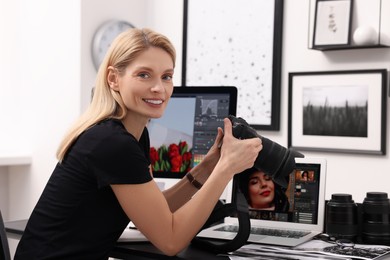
x=145 y=85
x=261 y=191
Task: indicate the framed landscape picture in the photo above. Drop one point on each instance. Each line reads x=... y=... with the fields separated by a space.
x=338 y=111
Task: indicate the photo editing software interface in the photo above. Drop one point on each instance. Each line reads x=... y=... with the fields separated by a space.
x=300 y=199
x=181 y=138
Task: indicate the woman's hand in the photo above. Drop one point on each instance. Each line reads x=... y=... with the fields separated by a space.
x=238 y=155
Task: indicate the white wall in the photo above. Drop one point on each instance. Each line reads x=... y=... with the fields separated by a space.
x=9 y=87
x=40 y=78
x=47 y=73
x=347 y=173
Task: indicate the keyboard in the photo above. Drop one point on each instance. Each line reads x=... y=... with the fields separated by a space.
x=267 y=231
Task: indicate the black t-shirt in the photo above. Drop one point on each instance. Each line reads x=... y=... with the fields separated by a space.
x=78 y=215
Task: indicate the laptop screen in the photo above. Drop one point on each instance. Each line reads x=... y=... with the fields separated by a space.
x=180 y=139
x=301 y=202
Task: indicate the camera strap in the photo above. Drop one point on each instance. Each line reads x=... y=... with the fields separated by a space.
x=239 y=208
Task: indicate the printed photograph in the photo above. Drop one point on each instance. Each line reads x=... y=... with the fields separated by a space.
x=335 y=110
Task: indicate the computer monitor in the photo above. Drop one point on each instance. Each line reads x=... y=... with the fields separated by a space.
x=180 y=139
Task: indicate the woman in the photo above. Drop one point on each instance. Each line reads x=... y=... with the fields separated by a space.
x=261 y=192
x=304 y=176
x=103 y=177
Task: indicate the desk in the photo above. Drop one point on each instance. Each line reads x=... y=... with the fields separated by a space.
x=10 y=159
x=134 y=250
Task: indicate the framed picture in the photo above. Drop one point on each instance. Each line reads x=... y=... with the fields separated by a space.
x=220 y=50
x=338 y=111
x=332 y=23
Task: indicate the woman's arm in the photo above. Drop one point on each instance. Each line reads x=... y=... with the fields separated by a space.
x=183 y=190
x=171 y=232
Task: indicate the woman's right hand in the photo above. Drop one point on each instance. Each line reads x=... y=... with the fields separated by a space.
x=236 y=154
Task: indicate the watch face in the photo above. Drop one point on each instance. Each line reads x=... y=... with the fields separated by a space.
x=103 y=38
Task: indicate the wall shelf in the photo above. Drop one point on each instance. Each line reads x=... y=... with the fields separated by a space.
x=376 y=46
x=373 y=14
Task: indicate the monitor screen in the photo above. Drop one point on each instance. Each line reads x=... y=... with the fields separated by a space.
x=180 y=139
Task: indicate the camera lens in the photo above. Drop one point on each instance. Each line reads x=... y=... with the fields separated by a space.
x=376 y=218
x=342 y=217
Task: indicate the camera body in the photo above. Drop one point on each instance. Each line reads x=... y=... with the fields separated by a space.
x=274 y=159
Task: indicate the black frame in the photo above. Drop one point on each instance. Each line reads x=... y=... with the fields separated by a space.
x=334 y=44
x=297 y=80
x=276 y=64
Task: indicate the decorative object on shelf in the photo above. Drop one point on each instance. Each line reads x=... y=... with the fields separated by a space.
x=221 y=50
x=365 y=35
x=338 y=111
x=332 y=23
x=103 y=37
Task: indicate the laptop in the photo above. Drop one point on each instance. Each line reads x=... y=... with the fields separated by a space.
x=298 y=223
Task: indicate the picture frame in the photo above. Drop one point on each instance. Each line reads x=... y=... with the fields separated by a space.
x=332 y=23
x=338 y=111
x=246 y=53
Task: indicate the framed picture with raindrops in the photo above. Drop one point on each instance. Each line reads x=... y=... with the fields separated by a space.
x=236 y=43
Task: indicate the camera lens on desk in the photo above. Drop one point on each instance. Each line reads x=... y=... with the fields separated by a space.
x=376 y=218
x=341 y=217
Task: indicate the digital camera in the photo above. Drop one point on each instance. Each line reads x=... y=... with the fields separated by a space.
x=274 y=159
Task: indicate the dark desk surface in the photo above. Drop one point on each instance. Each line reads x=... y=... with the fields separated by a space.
x=133 y=250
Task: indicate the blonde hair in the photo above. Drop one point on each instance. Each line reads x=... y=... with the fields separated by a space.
x=107 y=103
